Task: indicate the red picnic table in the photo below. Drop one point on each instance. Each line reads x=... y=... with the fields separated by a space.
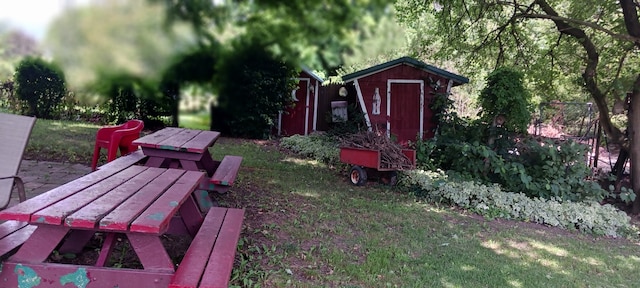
x=188 y=149
x=179 y=148
x=142 y=203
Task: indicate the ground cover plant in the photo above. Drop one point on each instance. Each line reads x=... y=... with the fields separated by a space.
x=307 y=226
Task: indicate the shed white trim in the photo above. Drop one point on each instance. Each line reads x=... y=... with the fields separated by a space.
x=363 y=106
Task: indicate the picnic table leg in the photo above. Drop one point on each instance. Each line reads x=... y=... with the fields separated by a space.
x=151 y=252
x=208 y=163
x=191 y=215
x=189 y=165
x=105 y=251
x=41 y=243
x=76 y=241
x=154 y=162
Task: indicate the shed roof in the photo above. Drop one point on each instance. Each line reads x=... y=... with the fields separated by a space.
x=308 y=71
x=457 y=79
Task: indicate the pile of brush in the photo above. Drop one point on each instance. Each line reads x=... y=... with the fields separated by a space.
x=391 y=156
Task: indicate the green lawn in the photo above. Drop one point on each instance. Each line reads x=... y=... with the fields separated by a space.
x=306 y=226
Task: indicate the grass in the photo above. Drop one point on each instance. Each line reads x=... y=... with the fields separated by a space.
x=306 y=226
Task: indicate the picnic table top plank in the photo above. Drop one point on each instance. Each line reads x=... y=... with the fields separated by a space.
x=178 y=139
x=153 y=139
x=156 y=218
x=121 y=217
x=56 y=212
x=201 y=142
x=89 y=215
x=37 y=203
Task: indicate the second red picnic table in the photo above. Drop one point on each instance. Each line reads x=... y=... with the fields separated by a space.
x=187 y=149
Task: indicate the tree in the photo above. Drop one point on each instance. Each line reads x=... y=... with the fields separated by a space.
x=588 y=44
x=505 y=100
x=127 y=36
x=253 y=86
x=41 y=84
x=315 y=33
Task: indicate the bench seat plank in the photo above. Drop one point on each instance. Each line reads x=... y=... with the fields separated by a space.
x=121 y=217
x=196 y=258
x=227 y=171
x=56 y=213
x=152 y=220
x=220 y=265
x=216 y=242
x=89 y=215
x=13 y=234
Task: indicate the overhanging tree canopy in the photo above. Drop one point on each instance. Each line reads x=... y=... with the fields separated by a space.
x=587 y=44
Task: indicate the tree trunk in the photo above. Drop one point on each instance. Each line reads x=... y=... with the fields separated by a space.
x=632 y=24
x=634 y=142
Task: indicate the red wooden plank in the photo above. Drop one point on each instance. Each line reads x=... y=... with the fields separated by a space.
x=41 y=243
x=218 y=271
x=195 y=260
x=120 y=218
x=151 y=252
x=8 y=227
x=19 y=233
x=24 y=210
x=89 y=215
x=153 y=139
x=202 y=141
x=160 y=153
x=227 y=171
x=53 y=275
x=176 y=141
x=155 y=219
x=57 y=212
x=123 y=162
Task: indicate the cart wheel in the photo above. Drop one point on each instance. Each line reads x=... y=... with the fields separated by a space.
x=358 y=176
x=389 y=178
x=393 y=178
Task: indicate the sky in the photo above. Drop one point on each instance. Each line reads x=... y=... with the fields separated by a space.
x=33 y=16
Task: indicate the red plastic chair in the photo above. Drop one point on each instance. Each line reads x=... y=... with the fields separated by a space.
x=116 y=137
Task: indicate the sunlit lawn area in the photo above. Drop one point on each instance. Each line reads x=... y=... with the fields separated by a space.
x=306 y=226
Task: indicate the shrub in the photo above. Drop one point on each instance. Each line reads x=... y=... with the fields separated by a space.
x=41 y=85
x=131 y=97
x=492 y=202
x=254 y=85
x=505 y=95
x=316 y=146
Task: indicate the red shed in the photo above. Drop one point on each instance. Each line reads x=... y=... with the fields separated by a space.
x=302 y=118
x=395 y=96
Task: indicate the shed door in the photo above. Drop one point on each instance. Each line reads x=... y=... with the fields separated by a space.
x=296 y=119
x=405 y=102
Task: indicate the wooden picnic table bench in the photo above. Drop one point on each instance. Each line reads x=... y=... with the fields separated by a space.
x=121 y=198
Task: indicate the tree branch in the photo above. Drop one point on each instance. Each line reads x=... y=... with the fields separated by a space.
x=635 y=39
